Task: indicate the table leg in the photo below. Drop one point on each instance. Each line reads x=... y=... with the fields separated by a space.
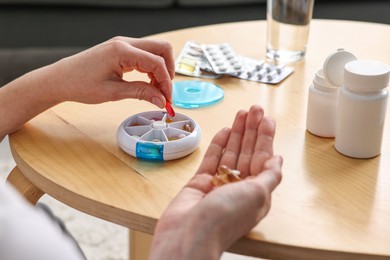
x=29 y=191
x=139 y=245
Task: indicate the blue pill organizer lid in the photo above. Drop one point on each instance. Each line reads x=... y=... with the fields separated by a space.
x=194 y=94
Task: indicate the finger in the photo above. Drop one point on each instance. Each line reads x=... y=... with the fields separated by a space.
x=157 y=47
x=154 y=82
x=232 y=150
x=266 y=182
x=214 y=152
x=271 y=175
x=253 y=120
x=151 y=64
x=264 y=145
x=135 y=89
x=161 y=48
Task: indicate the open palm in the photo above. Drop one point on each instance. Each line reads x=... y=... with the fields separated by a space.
x=217 y=216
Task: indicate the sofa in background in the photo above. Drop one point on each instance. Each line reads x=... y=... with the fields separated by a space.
x=34 y=33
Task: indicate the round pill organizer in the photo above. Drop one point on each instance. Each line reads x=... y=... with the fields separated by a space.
x=155 y=136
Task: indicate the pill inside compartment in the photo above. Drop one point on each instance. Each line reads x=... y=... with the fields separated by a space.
x=159 y=129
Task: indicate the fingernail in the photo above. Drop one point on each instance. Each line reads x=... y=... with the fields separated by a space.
x=158 y=102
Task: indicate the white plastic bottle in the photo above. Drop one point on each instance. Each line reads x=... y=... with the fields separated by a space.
x=362 y=109
x=322 y=107
x=323 y=97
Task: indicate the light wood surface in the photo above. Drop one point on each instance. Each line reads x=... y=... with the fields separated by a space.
x=29 y=191
x=328 y=206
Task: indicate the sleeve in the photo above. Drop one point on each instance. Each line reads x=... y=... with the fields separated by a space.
x=27 y=233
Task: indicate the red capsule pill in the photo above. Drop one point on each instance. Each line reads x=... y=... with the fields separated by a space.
x=169 y=109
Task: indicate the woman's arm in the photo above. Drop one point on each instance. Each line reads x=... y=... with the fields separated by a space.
x=91 y=76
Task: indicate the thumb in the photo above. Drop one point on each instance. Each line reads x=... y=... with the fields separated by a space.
x=143 y=91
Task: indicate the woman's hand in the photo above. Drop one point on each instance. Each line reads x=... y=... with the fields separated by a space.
x=203 y=220
x=95 y=75
x=92 y=76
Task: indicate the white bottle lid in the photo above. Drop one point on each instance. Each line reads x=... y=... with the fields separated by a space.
x=334 y=64
x=322 y=84
x=366 y=76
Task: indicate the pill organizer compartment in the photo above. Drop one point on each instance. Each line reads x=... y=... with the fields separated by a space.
x=155 y=136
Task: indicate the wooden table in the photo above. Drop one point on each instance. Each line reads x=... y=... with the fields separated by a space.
x=328 y=206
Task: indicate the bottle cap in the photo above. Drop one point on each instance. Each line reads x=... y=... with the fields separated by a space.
x=322 y=84
x=366 y=76
x=334 y=64
x=194 y=94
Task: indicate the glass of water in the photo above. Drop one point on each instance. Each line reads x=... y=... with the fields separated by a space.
x=288 y=23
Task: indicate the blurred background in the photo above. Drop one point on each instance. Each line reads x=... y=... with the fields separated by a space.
x=34 y=33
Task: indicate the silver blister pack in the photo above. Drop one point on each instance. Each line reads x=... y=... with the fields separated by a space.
x=215 y=60
x=192 y=62
x=222 y=58
x=260 y=71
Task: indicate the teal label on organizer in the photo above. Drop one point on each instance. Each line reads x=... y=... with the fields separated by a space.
x=150 y=151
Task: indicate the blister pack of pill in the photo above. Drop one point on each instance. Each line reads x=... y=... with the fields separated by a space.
x=224 y=60
x=192 y=62
x=260 y=71
x=215 y=60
